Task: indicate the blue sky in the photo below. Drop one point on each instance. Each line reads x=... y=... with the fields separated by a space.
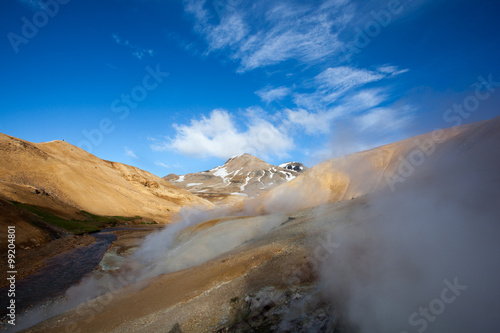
x=179 y=86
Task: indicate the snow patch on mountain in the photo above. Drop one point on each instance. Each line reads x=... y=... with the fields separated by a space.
x=244 y=174
x=288 y=175
x=223 y=173
x=181 y=179
x=242 y=187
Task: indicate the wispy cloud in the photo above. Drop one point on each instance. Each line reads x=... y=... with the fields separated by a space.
x=392 y=70
x=229 y=32
x=310 y=122
x=129 y=152
x=219 y=135
x=135 y=50
x=384 y=119
x=271 y=33
x=366 y=99
x=269 y=94
x=340 y=94
x=266 y=33
x=373 y=128
x=340 y=79
x=339 y=87
x=262 y=33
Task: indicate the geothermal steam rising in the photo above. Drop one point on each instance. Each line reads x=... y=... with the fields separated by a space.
x=159 y=254
x=135 y=269
x=210 y=243
x=389 y=272
x=392 y=258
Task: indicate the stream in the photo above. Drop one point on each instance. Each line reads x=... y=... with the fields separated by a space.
x=60 y=272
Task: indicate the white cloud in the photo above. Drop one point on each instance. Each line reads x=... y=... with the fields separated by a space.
x=230 y=31
x=263 y=33
x=336 y=86
x=312 y=123
x=340 y=79
x=129 y=152
x=268 y=33
x=359 y=110
x=269 y=94
x=136 y=50
x=336 y=96
x=340 y=86
x=366 y=99
x=218 y=135
x=319 y=121
x=377 y=127
x=383 y=119
x=392 y=70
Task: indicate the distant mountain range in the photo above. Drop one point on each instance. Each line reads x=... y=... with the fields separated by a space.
x=242 y=176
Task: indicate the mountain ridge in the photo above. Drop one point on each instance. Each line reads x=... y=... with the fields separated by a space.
x=65 y=180
x=241 y=176
x=377 y=169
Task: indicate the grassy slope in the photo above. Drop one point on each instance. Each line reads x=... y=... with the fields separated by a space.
x=88 y=223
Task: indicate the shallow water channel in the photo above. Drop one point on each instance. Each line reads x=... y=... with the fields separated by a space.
x=59 y=273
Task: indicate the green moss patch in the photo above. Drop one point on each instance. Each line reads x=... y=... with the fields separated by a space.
x=89 y=222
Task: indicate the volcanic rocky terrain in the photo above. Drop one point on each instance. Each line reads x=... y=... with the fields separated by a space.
x=354 y=244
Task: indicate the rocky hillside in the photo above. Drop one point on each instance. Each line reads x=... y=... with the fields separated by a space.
x=60 y=182
x=241 y=176
x=382 y=168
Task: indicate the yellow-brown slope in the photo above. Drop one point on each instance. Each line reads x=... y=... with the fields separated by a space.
x=357 y=174
x=66 y=179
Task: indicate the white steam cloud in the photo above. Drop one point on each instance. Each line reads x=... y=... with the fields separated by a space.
x=425 y=258
x=160 y=253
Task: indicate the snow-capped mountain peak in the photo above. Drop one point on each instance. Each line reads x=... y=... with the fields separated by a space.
x=241 y=175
